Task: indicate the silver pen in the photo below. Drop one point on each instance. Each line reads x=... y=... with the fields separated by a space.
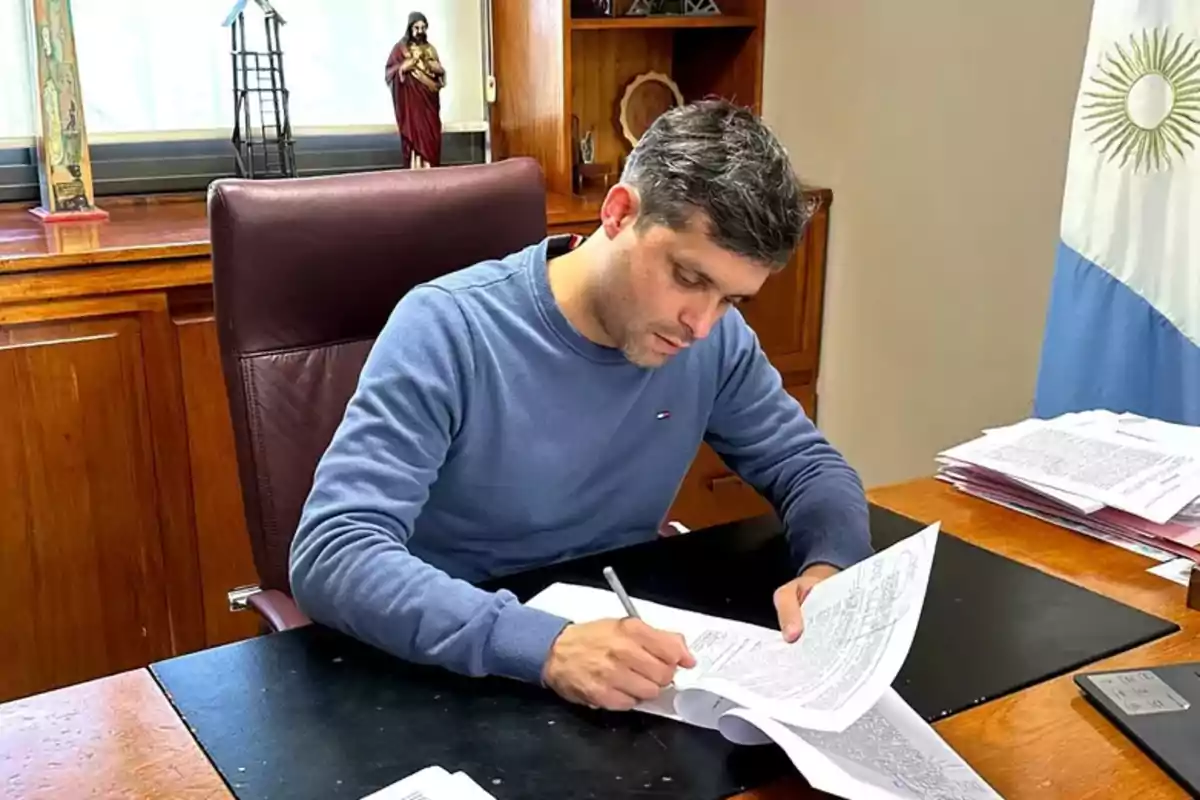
x=617 y=588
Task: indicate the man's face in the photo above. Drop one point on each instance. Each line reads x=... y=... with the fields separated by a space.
x=419 y=31
x=662 y=290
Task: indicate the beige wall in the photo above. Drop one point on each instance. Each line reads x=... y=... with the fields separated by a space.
x=942 y=128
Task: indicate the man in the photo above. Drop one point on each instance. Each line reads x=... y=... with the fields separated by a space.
x=416 y=76
x=548 y=404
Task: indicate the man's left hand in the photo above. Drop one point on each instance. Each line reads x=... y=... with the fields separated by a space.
x=789 y=597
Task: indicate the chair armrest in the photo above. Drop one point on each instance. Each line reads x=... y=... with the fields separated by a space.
x=672 y=528
x=278 y=610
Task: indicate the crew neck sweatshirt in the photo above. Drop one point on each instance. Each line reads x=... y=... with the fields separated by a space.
x=486 y=435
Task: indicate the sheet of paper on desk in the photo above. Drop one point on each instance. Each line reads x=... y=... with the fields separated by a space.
x=1141 y=476
x=432 y=783
x=1177 y=571
x=1049 y=515
x=858 y=628
x=889 y=753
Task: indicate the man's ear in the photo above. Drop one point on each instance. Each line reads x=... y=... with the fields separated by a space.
x=619 y=209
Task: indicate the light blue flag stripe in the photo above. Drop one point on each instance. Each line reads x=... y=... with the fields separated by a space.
x=1107 y=347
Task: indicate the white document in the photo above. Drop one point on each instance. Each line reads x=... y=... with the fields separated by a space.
x=1125 y=543
x=827 y=699
x=432 y=783
x=889 y=753
x=858 y=627
x=1179 y=437
x=1142 y=477
x=962 y=471
x=1178 y=570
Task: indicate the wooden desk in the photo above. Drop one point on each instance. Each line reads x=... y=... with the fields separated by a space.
x=1047 y=742
x=117 y=737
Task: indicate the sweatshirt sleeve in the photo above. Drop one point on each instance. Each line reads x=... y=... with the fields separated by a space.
x=764 y=435
x=350 y=567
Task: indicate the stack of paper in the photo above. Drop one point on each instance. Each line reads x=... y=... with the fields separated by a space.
x=432 y=783
x=1126 y=479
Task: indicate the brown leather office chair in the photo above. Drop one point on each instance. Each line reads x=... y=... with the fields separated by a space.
x=305 y=274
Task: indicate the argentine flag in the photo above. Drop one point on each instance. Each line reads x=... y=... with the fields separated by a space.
x=1123 y=327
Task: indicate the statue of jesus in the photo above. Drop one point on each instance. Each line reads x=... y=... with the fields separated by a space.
x=416 y=76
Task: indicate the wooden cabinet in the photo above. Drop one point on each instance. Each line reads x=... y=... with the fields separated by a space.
x=786 y=316
x=97 y=572
x=222 y=542
x=558 y=76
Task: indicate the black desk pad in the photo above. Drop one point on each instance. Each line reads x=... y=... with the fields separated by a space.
x=313 y=714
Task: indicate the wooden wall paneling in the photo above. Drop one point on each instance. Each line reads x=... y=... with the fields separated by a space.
x=811 y=313
x=604 y=61
x=786 y=313
x=84 y=576
x=222 y=540
x=531 y=41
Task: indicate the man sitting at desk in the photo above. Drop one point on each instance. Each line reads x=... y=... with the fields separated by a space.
x=547 y=405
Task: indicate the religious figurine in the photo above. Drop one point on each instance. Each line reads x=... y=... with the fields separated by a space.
x=416 y=77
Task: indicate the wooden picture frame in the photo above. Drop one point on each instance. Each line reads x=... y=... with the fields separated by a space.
x=633 y=105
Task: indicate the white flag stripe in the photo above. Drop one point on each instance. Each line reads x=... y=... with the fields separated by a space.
x=1132 y=196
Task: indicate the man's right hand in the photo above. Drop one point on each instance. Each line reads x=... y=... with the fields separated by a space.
x=614 y=663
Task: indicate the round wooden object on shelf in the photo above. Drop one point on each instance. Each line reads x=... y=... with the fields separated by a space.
x=646 y=97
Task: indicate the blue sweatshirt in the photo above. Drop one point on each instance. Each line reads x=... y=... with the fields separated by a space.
x=487 y=435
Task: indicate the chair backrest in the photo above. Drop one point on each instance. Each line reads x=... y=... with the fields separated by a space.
x=305 y=274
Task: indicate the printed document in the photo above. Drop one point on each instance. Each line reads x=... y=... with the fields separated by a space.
x=827 y=699
x=889 y=752
x=432 y=783
x=1144 y=477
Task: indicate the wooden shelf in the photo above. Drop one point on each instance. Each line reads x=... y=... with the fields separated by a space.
x=663 y=21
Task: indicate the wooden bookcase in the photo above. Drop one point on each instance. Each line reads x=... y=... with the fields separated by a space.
x=551 y=67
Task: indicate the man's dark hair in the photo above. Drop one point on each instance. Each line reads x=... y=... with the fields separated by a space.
x=720 y=160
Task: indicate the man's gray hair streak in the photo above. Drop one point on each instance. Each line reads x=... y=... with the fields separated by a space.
x=720 y=160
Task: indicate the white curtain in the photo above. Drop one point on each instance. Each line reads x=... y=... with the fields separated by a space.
x=151 y=69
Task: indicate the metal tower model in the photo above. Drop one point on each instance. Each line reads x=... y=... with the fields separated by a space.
x=262 y=130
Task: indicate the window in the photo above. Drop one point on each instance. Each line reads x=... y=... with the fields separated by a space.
x=162 y=70
x=158 y=88
x=16 y=83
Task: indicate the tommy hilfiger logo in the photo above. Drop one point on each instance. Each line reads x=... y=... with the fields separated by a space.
x=663 y=415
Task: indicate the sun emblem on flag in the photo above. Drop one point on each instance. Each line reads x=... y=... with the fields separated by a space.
x=1145 y=104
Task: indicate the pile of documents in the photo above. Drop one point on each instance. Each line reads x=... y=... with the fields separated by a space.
x=433 y=783
x=1126 y=479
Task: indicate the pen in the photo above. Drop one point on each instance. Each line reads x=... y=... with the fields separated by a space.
x=615 y=583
